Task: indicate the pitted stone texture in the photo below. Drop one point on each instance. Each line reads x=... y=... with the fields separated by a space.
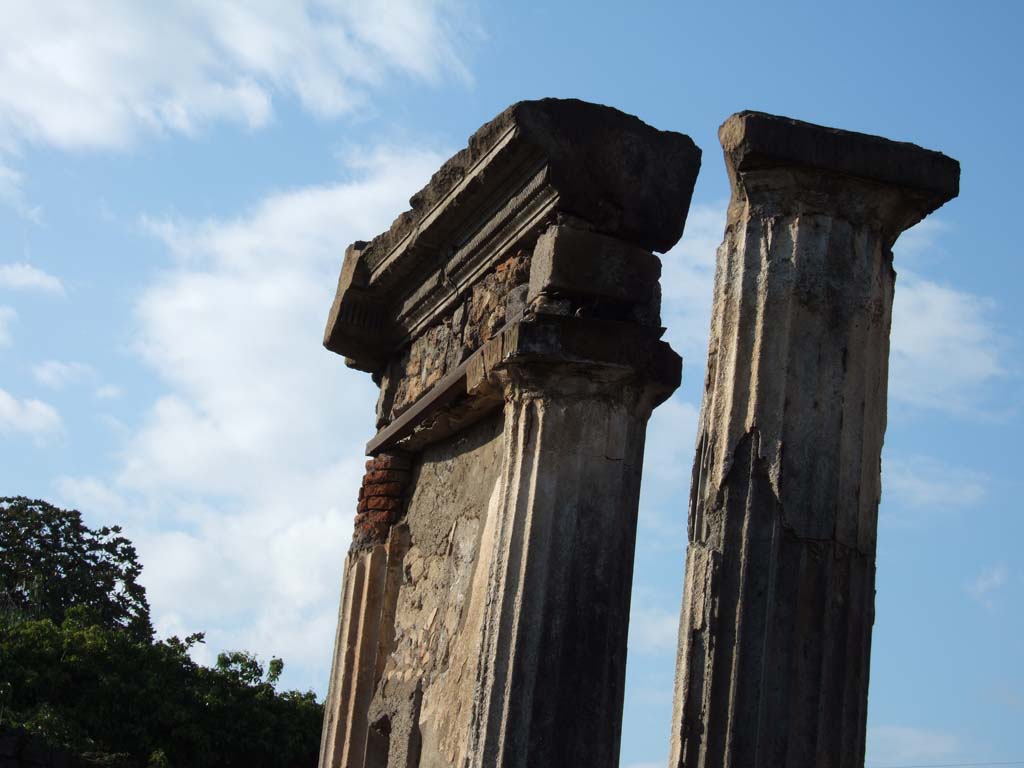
x=432 y=663
x=538 y=163
x=775 y=633
x=443 y=347
x=611 y=169
x=757 y=141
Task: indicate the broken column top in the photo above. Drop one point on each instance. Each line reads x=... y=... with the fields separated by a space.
x=627 y=179
x=755 y=141
x=537 y=163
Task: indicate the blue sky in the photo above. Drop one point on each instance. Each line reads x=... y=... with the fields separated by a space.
x=178 y=182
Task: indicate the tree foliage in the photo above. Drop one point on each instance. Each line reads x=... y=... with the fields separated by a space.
x=50 y=561
x=85 y=673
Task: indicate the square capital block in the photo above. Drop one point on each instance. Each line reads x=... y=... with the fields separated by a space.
x=756 y=141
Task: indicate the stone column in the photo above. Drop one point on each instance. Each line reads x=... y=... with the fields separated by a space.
x=511 y=318
x=553 y=646
x=775 y=632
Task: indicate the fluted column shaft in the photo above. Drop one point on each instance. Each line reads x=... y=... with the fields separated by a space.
x=778 y=607
x=553 y=652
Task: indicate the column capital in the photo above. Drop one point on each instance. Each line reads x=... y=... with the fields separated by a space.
x=554 y=356
x=854 y=175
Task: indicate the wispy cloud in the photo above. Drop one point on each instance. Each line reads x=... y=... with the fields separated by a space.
x=30 y=417
x=25 y=277
x=923 y=481
x=12 y=194
x=83 y=75
x=7 y=316
x=668 y=456
x=653 y=629
x=984 y=587
x=946 y=346
x=688 y=276
x=107 y=392
x=56 y=374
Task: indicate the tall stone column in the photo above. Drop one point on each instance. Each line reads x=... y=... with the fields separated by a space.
x=578 y=395
x=512 y=321
x=775 y=632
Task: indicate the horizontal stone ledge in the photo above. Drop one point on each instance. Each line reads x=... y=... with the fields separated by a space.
x=614 y=170
x=535 y=164
x=577 y=262
x=755 y=141
x=465 y=395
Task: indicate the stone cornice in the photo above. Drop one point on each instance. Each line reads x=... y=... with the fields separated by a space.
x=534 y=164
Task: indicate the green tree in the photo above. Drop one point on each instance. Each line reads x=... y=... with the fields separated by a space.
x=91 y=678
x=50 y=561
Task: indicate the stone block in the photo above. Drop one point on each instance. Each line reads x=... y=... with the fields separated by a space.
x=573 y=262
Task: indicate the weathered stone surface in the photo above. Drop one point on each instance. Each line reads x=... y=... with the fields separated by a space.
x=756 y=141
x=511 y=319
x=537 y=163
x=442 y=348
x=576 y=262
x=440 y=600
x=775 y=633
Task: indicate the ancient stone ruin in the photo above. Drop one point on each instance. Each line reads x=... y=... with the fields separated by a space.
x=775 y=634
x=511 y=319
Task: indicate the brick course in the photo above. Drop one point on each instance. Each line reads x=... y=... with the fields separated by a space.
x=381 y=498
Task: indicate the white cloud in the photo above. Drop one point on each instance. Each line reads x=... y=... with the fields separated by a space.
x=687 y=283
x=93 y=495
x=12 y=194
x=107 y=392
x=668 y=456
x=945 y=346
x=56 y=374
x=7 y=315
x=30 y=417
x=239 y=486
x=900 y=745
x=985 y=585
x=922 y=481
x=29 y=278
x=77 y=75
x=653 y=629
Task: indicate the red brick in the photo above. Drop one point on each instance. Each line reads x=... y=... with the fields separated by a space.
x=391 y=461
x=383 y=489
x=383 y=502
x=379 y=516
x=386 y=476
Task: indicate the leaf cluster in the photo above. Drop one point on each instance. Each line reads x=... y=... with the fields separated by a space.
x=79 y=666
x=50 y=561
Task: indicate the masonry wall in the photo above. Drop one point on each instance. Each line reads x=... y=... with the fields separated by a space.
x=422 y=705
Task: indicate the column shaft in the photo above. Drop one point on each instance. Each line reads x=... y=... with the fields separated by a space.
x=778 y=607
x=554 y=643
